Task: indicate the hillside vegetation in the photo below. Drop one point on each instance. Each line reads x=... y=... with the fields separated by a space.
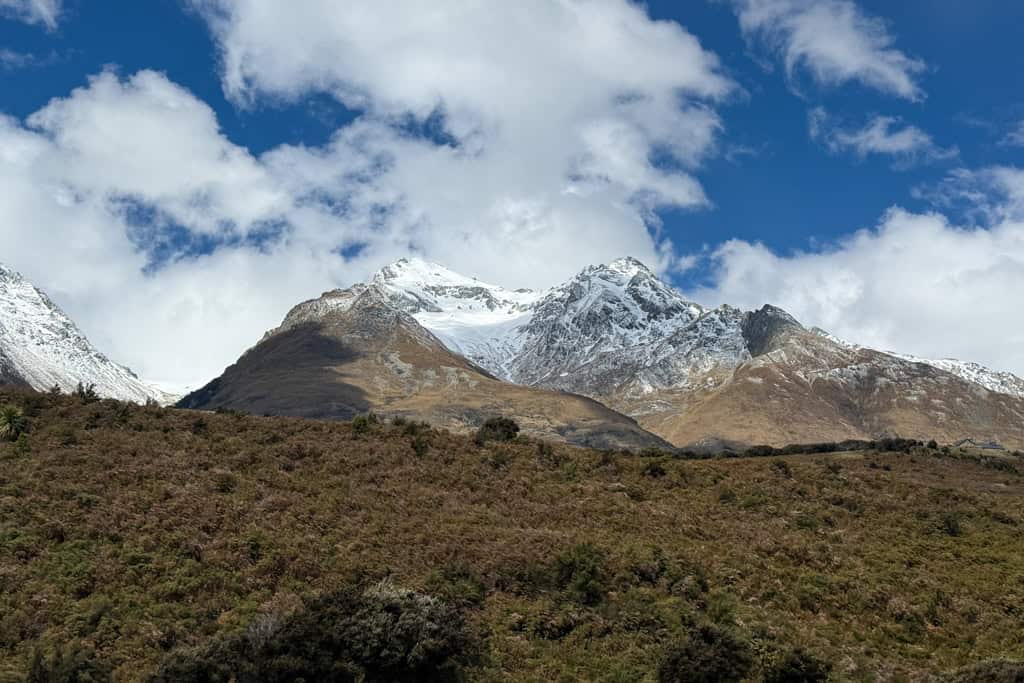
x=142 y=543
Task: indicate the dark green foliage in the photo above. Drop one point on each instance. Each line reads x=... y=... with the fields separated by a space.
x=497 y=429
x=933 y=444
x=951 y=524
x=989 y=671
x=581 y=573
x=797 y=666
x=86 y=393
x=361 y=424
x=72 y=664
x=759 y=452
x=382 y=633
x=711 y=654
x=782 y=467
x=654 y=469
x=457 y=585
x=12 y=423
x=420 y=445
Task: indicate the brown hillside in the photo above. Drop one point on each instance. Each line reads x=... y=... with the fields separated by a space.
x=131 y=534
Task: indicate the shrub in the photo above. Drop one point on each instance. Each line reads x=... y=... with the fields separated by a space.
x=12 y=423
x=581 y=573
x=797 y=666
x=382 y=633
x=989 y=671
x=363 y=423
x=782 y=467
x=497 y=429
x=710 y=654
x=951 y=524
x=654 y=469
x=457 y=585
x=72 y=664
x=86 y=393
x=420 y=445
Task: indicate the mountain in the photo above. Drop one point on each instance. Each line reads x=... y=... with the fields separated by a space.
x=357 y=350
x=617 y=334
x=41 y=347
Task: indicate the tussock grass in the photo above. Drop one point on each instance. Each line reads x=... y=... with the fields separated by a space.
x=132 y=533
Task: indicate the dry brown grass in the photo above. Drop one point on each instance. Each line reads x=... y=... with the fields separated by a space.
x=136 y=530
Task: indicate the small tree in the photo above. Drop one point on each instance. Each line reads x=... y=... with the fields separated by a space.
x=12 y=423
x=87 y=393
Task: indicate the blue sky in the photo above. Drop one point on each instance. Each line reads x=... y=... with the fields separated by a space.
x=787 y=196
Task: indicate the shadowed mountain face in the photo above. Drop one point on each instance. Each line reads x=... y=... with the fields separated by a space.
x=350 y=352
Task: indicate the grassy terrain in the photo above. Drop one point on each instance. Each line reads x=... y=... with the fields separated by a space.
x=132 y=532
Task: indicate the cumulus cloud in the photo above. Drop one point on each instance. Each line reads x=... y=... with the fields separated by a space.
x=882 y=135
x=915 y=283
x=175 y=248
x=45 y=12
x=833 y=41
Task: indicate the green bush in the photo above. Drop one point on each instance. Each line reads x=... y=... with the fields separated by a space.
x=497 y=429
x=382 y=633
x=12 y=423
x=710 y=654
x=71 y=664
x=797 y=666
x=363 y=423
x=581 y=573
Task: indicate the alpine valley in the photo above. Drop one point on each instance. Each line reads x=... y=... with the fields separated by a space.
x=614 y=357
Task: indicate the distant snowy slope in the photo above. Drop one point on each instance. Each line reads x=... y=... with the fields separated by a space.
x=993 y=380
x=41 y=347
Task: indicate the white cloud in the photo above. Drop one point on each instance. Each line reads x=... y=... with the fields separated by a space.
x=883 y=135
x=832 y=40
x=10 y=59
x=1015 y=138
x=916 y=283
x=567 y=134
x=44 y=12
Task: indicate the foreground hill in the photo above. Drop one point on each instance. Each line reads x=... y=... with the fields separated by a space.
x=41 y=347
x=350 y=352
x=156 y=542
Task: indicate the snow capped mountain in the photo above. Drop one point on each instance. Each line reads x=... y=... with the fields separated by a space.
x=611 y=328
x=41 y=347
x=617 y=334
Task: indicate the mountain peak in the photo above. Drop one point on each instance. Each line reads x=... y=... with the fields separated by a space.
x=624 y=269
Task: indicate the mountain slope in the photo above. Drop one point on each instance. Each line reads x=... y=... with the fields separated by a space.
x=618 y=334
x=352 y=351
x=41 y=347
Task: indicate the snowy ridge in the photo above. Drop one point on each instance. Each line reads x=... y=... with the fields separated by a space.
x=42 y=347
x=994 y=380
